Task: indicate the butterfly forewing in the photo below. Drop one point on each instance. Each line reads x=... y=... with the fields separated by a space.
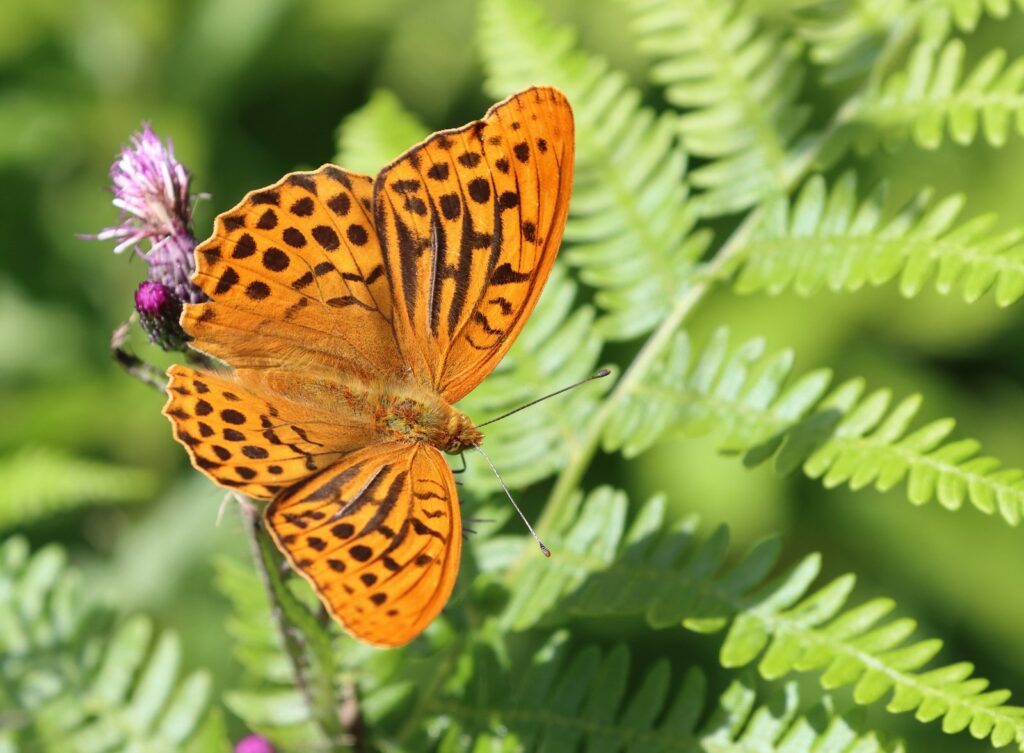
x=304 y=255
x=377 y=534
x=471 y=221
x=241 y=440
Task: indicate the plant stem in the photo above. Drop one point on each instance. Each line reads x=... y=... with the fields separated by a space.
x=340 y=720
x=131 y=363
x=293 y=649
x=569 y=478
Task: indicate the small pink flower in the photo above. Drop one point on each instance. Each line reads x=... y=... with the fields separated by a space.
x=254 y=744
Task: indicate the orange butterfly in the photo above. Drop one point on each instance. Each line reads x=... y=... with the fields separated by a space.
x=354 y=312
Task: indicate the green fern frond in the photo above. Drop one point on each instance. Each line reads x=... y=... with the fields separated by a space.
x=829 y=239
x=36 y=482
x=940 y=17
x=576 y=699
x=739 y=83
x=75 y=684
x=376 y=133
x=671 y=576
x=748 y=400
x=629 y=230
x=929 y=97
x=845 y=37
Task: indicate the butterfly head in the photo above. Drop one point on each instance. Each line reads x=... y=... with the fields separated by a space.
x=462 y=434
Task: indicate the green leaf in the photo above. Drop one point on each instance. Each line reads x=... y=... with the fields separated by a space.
x=571 y=698
x=778 y=622
x=37 y=482
x=75 y=681
x=826 y=239
x=931 y=97
x=738 y=83
x=374 y=135
x=741 y=396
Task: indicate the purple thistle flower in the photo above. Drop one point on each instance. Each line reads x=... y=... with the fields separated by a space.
x=172 y=262
x=254 y=744
x=151 y=188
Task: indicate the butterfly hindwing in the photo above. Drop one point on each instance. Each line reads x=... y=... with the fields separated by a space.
x=296 y=277
x=470 y=221
x=378 y=535
x=241 y=440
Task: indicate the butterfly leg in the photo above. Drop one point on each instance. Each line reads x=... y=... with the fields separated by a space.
x=467 y=530
x=462 y=457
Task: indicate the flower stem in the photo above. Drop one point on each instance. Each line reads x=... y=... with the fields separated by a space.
x=133 y=365
x=304 y=638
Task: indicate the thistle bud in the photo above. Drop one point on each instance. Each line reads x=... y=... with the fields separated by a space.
x=159 y=312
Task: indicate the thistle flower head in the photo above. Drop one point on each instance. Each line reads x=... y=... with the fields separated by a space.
x=151 y=188
x=171 y=261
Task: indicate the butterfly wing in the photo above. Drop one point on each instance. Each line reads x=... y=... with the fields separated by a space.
x=378 y=535
x=296 y=278
x=249 y=443
x=470 y=221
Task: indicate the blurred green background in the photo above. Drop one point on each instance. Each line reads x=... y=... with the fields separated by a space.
x=249 y=91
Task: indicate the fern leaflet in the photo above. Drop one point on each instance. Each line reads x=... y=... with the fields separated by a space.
x=740 y=83
x=571 y=698
x=844 y=436
x=929 y=97
x=76 y=682
x=826 y=238
x=846 y=37
x=671 y=576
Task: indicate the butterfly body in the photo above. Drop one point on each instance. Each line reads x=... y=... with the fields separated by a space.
x=394 y=409
x=355 y=313
x=417 y=415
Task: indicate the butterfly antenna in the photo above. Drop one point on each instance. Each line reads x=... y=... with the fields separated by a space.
x=544 y=549
x=598 y=375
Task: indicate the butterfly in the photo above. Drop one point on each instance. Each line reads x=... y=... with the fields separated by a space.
x=354 y=312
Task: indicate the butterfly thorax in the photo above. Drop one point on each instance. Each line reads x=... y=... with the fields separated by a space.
x=425 y=418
